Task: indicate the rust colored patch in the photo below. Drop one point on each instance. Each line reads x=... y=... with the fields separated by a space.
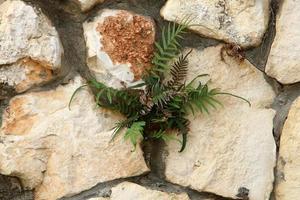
x=128 y=41
x=36 y=73
x=16 y=121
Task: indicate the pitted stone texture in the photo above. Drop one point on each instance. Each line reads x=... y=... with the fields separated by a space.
x=86 y=5
x=232 y=150
x=284 y=61
x=243 y=22
x=29 y=46
x=288 y=182
x=61 y=152
x=132 y=191
x=118 y=55
x=25 y=74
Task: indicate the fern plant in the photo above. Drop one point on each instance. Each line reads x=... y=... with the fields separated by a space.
x=159 y=105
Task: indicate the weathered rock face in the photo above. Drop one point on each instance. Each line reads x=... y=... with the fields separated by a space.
x=30 y=49
x=87 y=4
x=61 y=152
x=242 y=22
x=231 y=152
x=284 y=62
x=24 y=74
x=120 y=46
x=132 y=191
x=287 y=186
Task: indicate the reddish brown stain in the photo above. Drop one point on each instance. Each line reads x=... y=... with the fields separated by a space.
x=17 y=121
x=36 y=74
x=128 y=41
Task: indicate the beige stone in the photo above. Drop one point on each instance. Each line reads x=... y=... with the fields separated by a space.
x=98 y=198
x=61 y=152
x=102 y=53
x=30 y=48
x=233 y=147
x=288 y=182
x=242 y=21
x=25 y=74
x=132 y=191
x=284 y=61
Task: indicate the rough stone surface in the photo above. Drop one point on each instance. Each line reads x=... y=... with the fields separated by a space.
x=120 y=46
x=99 y=198
x=288 y=183
x=85 y=5
x=243 y=21
x=232 y=151
x=24 y=74
x=61 y=152
x=284 y=62
x=132 y=191
x=30 y=47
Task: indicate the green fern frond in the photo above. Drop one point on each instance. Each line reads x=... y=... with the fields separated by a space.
x=123 y=124
x=162 y=135
x=162 y=98
x=233 y=95
x=119 y=100
x=135 y=132
x=159 y=105
x=182 y=125
x=169 y=47
x=74 y=93
x=201 y=99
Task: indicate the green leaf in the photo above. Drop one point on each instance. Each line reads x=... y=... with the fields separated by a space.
x=168 y=47
x=74 y=93
x=161 y=134
x=109 y=97
x=137 y=86
x=135 y=132
x=184 y=139
x=122 y=124
x=192 y=82
x=159 y=104
x=233 y=95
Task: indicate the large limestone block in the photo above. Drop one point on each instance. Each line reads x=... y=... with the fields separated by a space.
x=132 y=191
x=284 y=61
x=288 y=183
x=61 y=152
x=230 y=152
x=119 y=46
x=30 y=48
x=242 y=21
x=85 y=5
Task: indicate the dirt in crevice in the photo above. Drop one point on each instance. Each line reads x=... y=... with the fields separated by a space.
x=68 y=19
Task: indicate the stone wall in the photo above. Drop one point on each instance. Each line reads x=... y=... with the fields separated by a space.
x=48 y=48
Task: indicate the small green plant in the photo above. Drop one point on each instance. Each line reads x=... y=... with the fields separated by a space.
x=160 y=104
